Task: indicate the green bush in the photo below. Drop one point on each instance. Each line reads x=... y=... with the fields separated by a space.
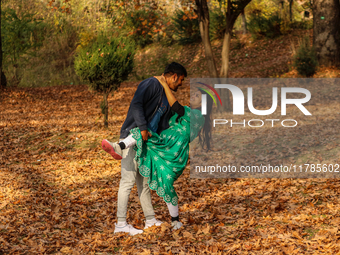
x=262 y=26
x=19 y=35
x=305 y=59
x=52 y=63
x=217 y=24
x=186 y=28
x=140 y=25
x=105 y=63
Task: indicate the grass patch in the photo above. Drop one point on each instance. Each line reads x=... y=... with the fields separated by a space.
x=259 y=226
x=311 y=232
x=234 y=225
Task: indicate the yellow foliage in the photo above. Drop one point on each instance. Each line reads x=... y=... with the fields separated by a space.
x=85 y=38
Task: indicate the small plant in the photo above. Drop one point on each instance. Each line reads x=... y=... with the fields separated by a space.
x=186 y=27
x=239 y=44
x=105 y=63
x=305 y=59
x=262 y=26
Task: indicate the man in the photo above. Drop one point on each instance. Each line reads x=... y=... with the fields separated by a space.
x=149 y=108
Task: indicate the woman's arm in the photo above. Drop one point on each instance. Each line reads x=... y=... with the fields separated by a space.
x=175 y=106
x=171 y=98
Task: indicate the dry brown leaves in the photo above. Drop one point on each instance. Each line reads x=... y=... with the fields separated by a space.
x=58 y=191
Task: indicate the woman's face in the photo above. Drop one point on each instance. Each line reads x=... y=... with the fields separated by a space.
x=195 y=99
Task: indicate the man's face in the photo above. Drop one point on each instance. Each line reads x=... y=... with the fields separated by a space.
x=174 y=83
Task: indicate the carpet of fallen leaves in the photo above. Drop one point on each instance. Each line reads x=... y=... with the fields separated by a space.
x=58 y=190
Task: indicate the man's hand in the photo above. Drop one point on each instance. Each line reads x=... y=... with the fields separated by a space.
x=145 y=135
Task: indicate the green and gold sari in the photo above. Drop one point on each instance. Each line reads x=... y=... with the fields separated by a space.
x=163 y=157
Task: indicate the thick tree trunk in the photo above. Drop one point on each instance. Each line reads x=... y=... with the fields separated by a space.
x=244 y=23
x=203 y=17
x=326 y=32
x=106 y=110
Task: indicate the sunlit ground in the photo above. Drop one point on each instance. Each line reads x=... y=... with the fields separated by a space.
x=58 y=190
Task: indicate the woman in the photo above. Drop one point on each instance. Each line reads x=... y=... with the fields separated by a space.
x=163 y=157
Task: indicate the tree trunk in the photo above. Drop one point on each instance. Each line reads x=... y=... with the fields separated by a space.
x=231 y=16
x=224 y=93
x=290 y=10
x=1 y=85
x=2 y=75
x=203 y=17
x=326 y=32
x=106 y=110
x=282 y=10
x=225 y=53
x=244 y=23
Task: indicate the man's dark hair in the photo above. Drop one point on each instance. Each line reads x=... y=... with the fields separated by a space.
x=175 y=68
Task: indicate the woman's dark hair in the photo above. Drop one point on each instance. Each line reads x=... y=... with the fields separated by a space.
x=205 y=134
x=175 y=68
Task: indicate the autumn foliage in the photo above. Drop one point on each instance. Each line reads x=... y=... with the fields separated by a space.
x=142 y=25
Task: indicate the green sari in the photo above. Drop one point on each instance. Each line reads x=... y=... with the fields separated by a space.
x=163 y=157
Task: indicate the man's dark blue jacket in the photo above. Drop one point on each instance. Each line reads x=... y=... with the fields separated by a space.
x=144 y=105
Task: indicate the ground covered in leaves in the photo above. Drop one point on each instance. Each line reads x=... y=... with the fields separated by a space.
x=58 y=190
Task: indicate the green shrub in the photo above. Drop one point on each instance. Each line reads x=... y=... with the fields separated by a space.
x=262 y=26
x=52 y=63
x=105 y=63
x=186 y=28
x=305 y=59
x=19 y=35
x=217 y=24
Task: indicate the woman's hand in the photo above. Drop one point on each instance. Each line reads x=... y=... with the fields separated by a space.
x=162 y=80
x=171 y=98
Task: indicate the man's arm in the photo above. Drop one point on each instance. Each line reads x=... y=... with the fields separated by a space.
x=144 y=93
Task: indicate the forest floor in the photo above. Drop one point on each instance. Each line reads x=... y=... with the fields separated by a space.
x=58 y=188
